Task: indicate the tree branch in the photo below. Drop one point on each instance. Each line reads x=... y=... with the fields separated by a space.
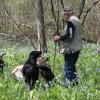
x=62 y=3
x=53 y=10
x=16 y=24
x=88 y=10
x=81 y=8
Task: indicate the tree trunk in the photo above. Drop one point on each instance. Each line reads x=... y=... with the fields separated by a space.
x=40 y=26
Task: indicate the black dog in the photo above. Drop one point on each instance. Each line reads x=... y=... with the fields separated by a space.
x=30 y=70
x=1 y=62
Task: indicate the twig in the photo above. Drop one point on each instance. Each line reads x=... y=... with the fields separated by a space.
x=16 y=24
x=81 y=8
x=88 y=10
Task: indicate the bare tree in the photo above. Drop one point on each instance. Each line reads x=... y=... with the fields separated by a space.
x=40 y=25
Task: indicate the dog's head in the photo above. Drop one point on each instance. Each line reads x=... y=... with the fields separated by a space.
x=34 y=55
x=41 y=60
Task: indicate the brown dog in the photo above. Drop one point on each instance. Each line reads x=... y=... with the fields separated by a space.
x=45 y=70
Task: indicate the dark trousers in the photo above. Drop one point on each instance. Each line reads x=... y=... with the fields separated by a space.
x=69 y=66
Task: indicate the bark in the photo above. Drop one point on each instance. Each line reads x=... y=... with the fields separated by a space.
x=40 y=26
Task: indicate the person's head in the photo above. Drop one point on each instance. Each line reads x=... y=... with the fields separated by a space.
x=68 y=11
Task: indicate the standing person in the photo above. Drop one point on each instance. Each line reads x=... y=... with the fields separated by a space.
x=70 y=44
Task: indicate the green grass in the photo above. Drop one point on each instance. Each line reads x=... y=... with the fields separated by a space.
x=88 y=68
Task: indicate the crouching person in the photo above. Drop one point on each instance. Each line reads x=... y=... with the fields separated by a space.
x=17 y=73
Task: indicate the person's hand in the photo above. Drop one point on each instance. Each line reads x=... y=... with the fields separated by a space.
x=56 y=37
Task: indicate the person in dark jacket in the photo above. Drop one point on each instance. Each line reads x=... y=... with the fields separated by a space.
x=70 y=44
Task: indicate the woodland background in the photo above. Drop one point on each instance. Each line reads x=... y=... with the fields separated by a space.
x=25 y=24
x=18 y=18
